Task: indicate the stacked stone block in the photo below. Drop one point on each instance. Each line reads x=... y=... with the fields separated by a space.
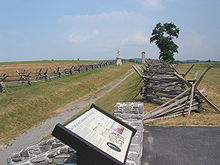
x=48 y=152
x=132 y=114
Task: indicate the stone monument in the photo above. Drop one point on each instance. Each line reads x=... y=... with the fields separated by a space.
x=118 y=58
x=143 y=57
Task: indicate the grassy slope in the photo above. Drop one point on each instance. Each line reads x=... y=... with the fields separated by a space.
x=24 y=107
x=129 y=88
x=123 y=93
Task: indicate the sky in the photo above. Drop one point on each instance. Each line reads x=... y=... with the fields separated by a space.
x=95 y=29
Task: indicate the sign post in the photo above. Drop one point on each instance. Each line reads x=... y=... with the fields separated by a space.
x=98 y=137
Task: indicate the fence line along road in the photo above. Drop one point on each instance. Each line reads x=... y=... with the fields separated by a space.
x=26 y=78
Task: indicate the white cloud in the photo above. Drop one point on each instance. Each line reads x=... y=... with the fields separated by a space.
x=195 y=40
x=138 y=37
x=80 y=38
x=194 y=46
x=116 y=27
x=104 y=33
x=94 y=17
x=152 y=4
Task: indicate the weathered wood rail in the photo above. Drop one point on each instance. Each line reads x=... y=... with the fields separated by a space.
x=163 y=84
x=160 y=82
x=26 y=78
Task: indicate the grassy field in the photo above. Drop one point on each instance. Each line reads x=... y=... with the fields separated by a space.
x=123 y=93
x=47 y=61
x=34 y=66
x=24 y=107
x=211 y=83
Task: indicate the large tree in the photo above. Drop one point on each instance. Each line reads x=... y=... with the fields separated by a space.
x=163 y=35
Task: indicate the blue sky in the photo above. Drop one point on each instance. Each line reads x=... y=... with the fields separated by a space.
x=95 y=29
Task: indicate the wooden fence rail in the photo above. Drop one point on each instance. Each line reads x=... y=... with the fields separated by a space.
x=164 y=85
x=26 y=78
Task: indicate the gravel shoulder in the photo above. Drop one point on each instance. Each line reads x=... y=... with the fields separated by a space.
x=36 y=133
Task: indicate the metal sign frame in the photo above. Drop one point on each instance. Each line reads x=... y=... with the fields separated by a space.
x=87 y=153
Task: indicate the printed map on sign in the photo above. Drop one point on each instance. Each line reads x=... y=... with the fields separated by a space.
x=103 y=132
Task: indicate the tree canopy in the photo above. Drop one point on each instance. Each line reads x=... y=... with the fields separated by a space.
x=163 y=35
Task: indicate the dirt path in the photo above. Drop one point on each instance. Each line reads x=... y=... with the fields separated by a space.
x=36 y=133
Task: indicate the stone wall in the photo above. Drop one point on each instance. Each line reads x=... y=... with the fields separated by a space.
x=132 y=114
x=51 y=151
x=54 y=152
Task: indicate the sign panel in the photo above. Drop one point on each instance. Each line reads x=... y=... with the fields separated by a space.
x=100 y=131
x=103 y=132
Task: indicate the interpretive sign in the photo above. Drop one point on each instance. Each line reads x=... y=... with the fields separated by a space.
x=98 y=137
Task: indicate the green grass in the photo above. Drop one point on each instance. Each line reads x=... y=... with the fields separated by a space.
x=123 y=93
x=212 y=78
x=26 y=106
